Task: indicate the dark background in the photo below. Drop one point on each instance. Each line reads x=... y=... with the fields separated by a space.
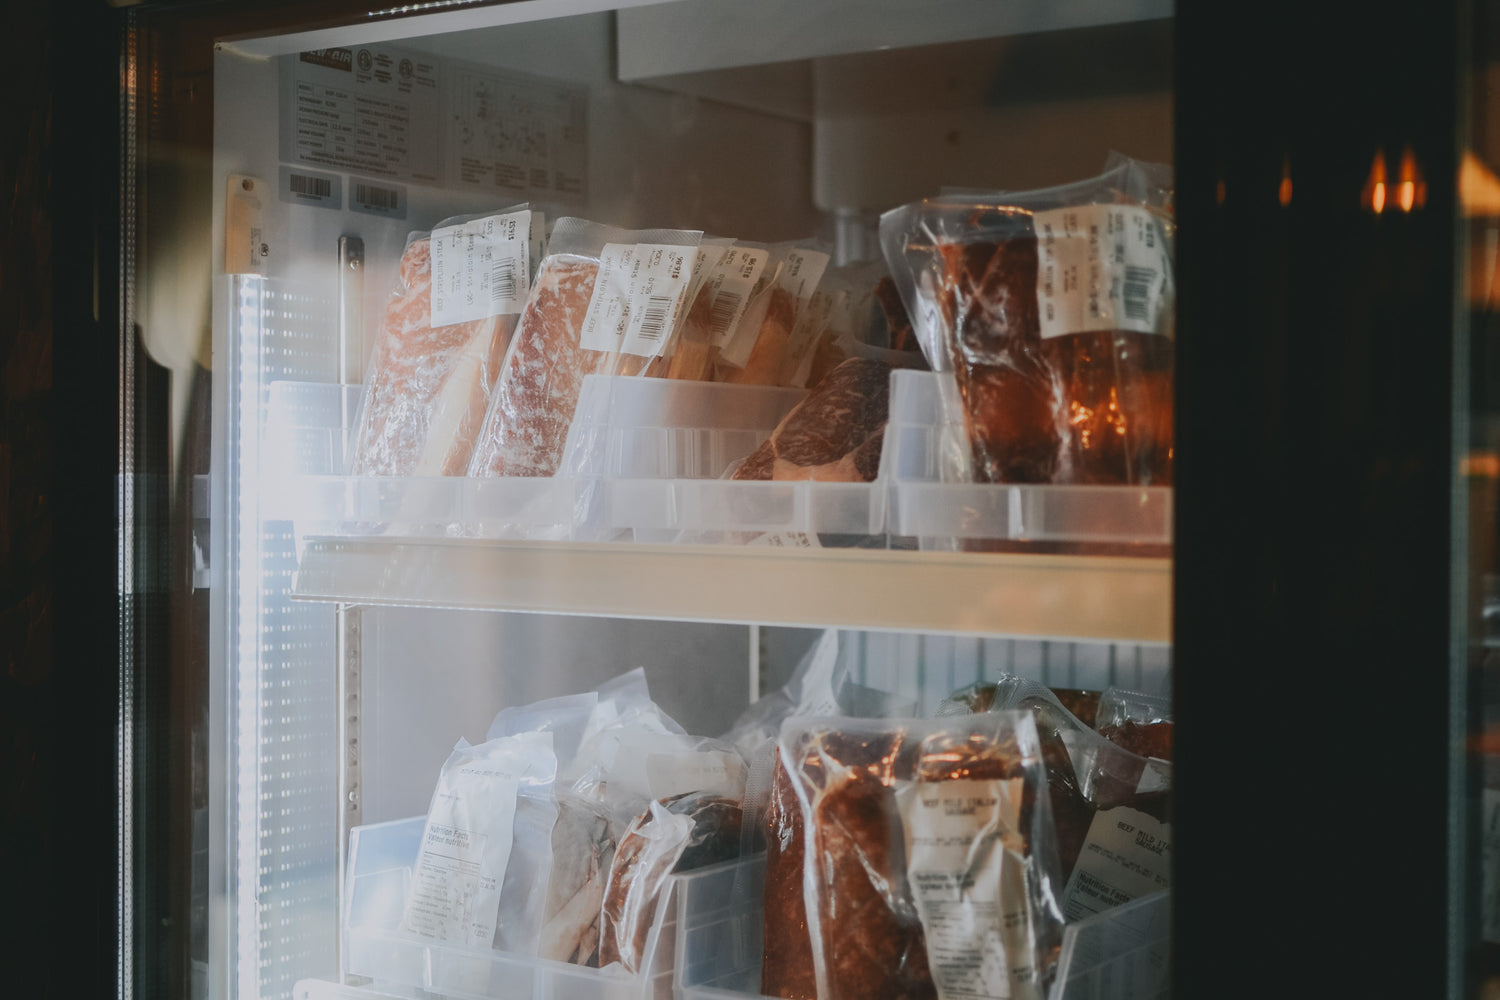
x=58 y=418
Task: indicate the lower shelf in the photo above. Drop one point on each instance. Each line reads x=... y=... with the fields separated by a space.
x=716 y=951
x=1107 y=598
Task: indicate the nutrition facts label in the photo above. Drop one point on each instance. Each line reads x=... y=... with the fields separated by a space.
x=969 y=885
x=1126 y=855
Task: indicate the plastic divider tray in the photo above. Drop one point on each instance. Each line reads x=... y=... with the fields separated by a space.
x=707 y=943
x=646 y=460
x=381 y=858
x=1120 y=954
x=926 y=419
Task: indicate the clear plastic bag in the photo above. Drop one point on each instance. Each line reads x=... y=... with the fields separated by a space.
x=480 y=876
x=604 y=301
x=917 y=853
x=1053 y=310
x=763 y=339
x=1111 y=804
x=676 y=834
x=1139 y=722
x=440 y=344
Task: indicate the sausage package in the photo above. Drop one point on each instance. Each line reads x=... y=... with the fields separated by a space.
x=1110 y=794
x=446 y=327
x=605 y=301
x=918 y=855
x=1053 y=310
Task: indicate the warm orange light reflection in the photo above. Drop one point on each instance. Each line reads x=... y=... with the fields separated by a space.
x=1284 y=193
x=1374 y=194
x=1411 y=193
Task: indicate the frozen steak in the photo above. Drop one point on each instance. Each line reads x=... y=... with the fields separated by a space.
x=428 y=386
x=835 y=434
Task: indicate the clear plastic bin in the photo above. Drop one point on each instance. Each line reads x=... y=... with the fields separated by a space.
x=645 y=460
x=309 y=431
x=943 y=515
x=1120 y=954
x=663 y=447
x=381 y=857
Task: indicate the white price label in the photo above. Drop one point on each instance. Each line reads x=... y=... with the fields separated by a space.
x=801 y=270
x=1102 y=267
x=730 y=284
x=481 y=268
x=637 y=296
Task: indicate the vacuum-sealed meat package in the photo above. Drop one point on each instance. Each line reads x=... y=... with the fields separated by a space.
x=1111 y=804
x=681 y=833
x=583 y=848
x=1053 y=310
x=486 y=845
x=927 y=862
x=777 y=318
x=1139 y=722
x=834 y=434
x=604 y=301
x=631 y=760
x=437 y=353
x=717 y=303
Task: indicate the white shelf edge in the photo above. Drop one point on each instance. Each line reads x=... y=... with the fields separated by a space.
x=1073 y=597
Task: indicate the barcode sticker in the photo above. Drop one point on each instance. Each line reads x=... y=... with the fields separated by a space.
x=638 y=294
x=380 y=198
x=309 y=187
x=730 y=284
x=480 y=268
x=1102 y=267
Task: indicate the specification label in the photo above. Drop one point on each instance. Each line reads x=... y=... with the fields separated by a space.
x=383 y=111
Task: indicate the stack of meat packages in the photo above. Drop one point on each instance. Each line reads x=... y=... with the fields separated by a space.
x=941 y=857
x=490 y=387
x=1051 y=311
x=558 y=835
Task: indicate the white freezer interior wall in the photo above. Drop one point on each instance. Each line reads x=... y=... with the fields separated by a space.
x=432 y=677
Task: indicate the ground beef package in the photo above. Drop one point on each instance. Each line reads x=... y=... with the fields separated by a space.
x=923 y=850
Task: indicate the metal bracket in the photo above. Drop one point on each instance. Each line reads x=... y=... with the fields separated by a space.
x=351 y=750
